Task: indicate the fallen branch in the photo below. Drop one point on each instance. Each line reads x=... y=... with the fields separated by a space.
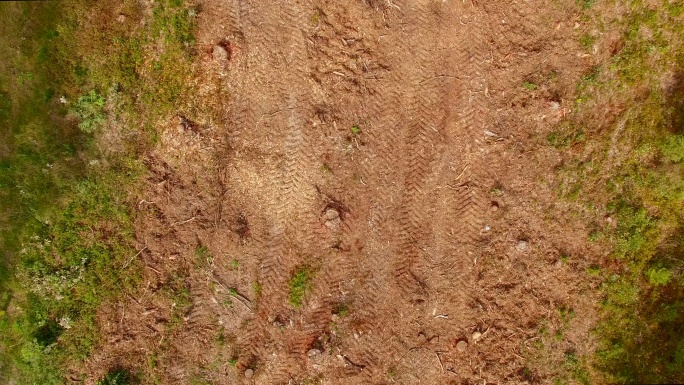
x=132 y=258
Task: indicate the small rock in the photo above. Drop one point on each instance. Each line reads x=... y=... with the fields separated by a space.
x=220 y=54
x=490 y=134
x=461 y=346
x=331 y=214
x=121 y=18
x=522 y=246
x=249 y=373
x=495 y=206
x=333 y=224
x=555 y=106
x=312 y=353
x=559 y=264
x=476 y=336
x=488 y=228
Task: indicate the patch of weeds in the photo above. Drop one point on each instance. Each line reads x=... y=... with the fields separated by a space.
x=577 y=369
x=564 y=138
x=234 y=264
x=203 y=256
x=544 y=327
x=587 y=81
x=587 y=41
x=595 y=235
x=300 y=284
x=529 y=86
x=392 y=372
x=658 y=276
x=256 y=288
x=221 y=336
x=355 y=130
x=233 y=291
x=325 y=168
x=228 y=302
x=90 y=111
x=341 y=309
x=673 y=148
x=558 y=335
x=566 y=315
x=181 y=297
x=315 y=17
x=585 y=4
x=593 y=270
x=118 y=377
x=199 y=380
x=311 y=381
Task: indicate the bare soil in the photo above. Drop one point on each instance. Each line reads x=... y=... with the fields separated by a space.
x=411 y=121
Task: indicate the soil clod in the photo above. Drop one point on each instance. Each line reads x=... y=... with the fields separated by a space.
x=522 y=246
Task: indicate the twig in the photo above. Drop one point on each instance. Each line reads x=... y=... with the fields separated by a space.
x=462 y=172
x=273 y=114
x=247 y=303
x=183 y=222
x=440 y=361
x=439 y=77
x=443 y=316
x=517 y=355
x=132 y=258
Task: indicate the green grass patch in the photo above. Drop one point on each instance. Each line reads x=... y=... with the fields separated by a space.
x=300 y=285
x=641 y=337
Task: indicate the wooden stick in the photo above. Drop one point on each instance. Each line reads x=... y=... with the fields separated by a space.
x=132 y=258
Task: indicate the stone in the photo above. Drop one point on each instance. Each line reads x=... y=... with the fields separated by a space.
x=522 y=246
x=461 y=346
x=331 y=214
x=249 y=373
x=312 y=353
x=333 y=224
x=476 y=336
x=220 y=54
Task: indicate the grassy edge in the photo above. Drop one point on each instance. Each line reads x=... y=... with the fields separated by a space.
x=71 y=249
x=629 y=177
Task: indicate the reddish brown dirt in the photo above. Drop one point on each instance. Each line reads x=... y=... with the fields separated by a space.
x=449 y=170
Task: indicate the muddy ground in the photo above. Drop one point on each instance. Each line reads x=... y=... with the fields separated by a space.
x=395 y=149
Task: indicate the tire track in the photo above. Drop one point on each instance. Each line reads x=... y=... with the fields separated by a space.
x=423 y=130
